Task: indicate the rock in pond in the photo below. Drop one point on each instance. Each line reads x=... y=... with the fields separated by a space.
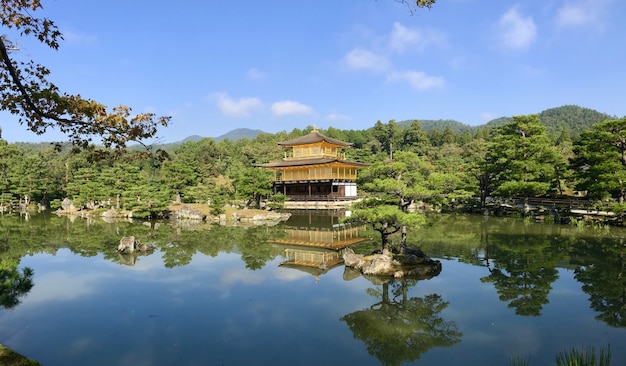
x=413 y=263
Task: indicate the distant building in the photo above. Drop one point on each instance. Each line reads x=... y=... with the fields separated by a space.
x=315 y=170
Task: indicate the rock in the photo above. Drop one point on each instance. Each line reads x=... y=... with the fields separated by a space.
x=413 y=264
x=67 y=205
x=127 y=244
x=145 y=247
x=189 y=213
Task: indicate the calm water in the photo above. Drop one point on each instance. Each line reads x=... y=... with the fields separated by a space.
x=220 y=296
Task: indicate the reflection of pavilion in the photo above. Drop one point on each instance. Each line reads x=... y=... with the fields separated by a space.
x=315 y=261
x=314 y=241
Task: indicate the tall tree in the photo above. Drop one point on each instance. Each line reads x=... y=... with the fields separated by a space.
x=396 y=184
x=26 y=92
x=523 y=160
x=600 y=160
x=415 y=139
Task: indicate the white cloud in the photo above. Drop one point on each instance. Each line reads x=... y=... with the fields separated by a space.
x=255 y=74
x=78 y=38
x=486 y=117
x=581 y=13
x=515 y=31
x=337 y=117
x=360 y=59
x=402 y=38
x=236 y=108
x=286 y=107
x=417 y=79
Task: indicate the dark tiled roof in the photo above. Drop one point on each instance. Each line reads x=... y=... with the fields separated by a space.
x=304 y=162
x=312 y=138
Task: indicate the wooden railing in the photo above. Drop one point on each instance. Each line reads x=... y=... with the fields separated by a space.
x=572 y=203
x=329 y=155
x=287 y=176
x=321 y=198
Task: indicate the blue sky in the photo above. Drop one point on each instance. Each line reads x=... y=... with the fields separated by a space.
x=281 y=64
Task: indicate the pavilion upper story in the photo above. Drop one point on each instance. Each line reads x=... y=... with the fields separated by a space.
x=314 y=165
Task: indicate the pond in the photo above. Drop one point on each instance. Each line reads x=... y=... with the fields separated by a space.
x=225 y=295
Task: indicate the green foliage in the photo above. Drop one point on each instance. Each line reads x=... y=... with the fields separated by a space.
x=385 y=218
x=277 y=201
x=584 y=357
x=217 y=204
x=522 y=161
x=440 y=163
x=13 y=283
x=599 y=164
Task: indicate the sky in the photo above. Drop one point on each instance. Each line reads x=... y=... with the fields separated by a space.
x=276 y=65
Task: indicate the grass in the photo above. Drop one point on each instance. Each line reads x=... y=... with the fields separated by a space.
x=11 y=358
x=574 y=357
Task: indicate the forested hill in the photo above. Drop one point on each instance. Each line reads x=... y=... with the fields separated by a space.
x=429 y=124
x=573 y=117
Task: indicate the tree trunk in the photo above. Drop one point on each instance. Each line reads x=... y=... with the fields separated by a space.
x=403 y=242
x=384 y=235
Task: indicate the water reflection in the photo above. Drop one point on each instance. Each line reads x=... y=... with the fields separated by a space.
x=399 y=328
x=14 y=285
x=523 y=270
x=313 y=241
x=601 y=269
x=504 y=281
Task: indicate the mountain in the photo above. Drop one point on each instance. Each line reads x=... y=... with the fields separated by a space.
x=429 y=124
x=571 y=117
x=192 y=138
x=237 y=134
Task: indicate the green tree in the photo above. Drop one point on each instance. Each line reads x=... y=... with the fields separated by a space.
x=415 y=139
x=26 y=92
x=522 y=160
x=396 y=185
x=7 y=154
x=29 y=178
x=85 y=188
x=253 y=184
x=177 y=175
x=600 y=160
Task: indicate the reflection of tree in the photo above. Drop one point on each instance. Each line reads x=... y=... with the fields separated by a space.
x=524 y=271
x=255 y=248
x=13 y=283
x=400 y=329
x=604 y=278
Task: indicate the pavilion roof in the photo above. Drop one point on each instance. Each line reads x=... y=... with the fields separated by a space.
x=314 y=137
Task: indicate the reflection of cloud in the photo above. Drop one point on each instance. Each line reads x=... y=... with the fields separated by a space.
x=289 y=274
x=63 y=286
x=83 y=346
x=233 y=275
